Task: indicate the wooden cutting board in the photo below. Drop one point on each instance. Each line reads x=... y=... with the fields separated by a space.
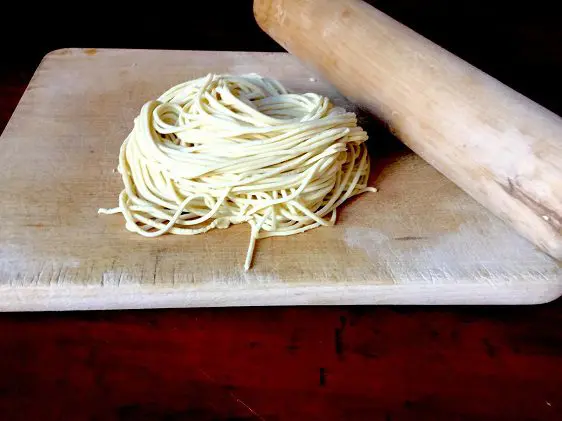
x=420 y=240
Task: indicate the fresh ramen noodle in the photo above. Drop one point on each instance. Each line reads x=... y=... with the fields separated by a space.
x=226 y=149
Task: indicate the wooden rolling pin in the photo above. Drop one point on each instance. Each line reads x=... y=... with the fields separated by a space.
x=497 y=145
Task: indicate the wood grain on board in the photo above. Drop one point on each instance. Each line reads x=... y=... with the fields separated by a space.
x=419 y=240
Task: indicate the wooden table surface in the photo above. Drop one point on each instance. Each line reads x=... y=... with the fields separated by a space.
x=328 y=363
x=323 y=363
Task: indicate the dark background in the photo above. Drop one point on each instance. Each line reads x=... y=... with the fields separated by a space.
x=520 y=44
x=373 y=363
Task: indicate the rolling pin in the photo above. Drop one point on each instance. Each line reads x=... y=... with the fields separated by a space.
x=497 y=145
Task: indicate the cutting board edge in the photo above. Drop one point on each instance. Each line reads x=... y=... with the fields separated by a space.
x=78 y=51
x=146 y=297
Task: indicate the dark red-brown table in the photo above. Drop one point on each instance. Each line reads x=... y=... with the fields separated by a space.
x=352 y=363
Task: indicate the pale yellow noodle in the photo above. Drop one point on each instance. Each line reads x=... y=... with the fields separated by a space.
x=226 y=149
